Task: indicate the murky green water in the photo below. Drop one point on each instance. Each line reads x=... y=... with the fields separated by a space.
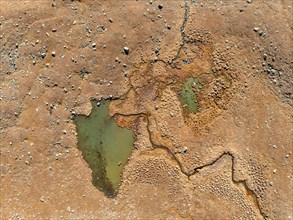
x=188 y=95
x=104 y=146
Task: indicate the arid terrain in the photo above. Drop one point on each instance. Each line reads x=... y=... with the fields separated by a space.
x=206 y=87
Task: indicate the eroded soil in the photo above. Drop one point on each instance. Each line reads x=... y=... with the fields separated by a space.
x=229 y=159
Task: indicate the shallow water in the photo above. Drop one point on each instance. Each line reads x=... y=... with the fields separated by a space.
x=104 y=146
x=188 y=95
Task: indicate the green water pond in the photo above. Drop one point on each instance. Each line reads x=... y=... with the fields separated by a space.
x=104 y=146
x=187 y=94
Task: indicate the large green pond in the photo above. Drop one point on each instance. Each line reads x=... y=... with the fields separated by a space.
x=188 y=95
x=104 y=146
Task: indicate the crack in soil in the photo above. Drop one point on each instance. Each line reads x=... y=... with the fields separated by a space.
x=197 y=169
x=182 y=28
x=182 y=33
x=242 y=182
x=185 y=18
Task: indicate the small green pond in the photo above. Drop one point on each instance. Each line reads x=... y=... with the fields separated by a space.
x=188 y=95
x=104 y=146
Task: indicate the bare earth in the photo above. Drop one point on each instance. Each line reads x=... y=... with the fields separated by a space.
x=230 y=160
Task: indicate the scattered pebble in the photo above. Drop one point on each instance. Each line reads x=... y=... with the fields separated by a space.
x=126 y=50
x=184 y=149
x=101 y=28
x=42 y=199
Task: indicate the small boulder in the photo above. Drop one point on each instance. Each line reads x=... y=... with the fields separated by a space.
x=126 y=50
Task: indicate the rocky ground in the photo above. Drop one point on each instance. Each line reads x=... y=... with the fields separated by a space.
x=230 y=160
